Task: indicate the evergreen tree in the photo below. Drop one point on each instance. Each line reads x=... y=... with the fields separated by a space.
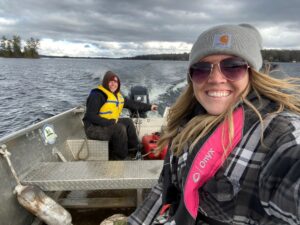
x=16 y=46
x=30 y=50
x=12 y=48
x=3 y=47
x=9 y=52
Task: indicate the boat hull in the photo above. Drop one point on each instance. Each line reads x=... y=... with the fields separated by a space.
x=27 y=149
x=56 y=140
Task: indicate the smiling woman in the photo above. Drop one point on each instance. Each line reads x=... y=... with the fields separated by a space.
x=223 y=85
x=102 y=119
x=233 y=140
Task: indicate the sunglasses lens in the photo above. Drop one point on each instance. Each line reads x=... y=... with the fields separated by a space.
x=233 y=69
x=200 y=71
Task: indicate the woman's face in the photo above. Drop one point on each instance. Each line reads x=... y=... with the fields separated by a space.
x=216 y=93
x=113 y=84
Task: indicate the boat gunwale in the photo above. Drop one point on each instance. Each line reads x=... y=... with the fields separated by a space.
x=23 y=131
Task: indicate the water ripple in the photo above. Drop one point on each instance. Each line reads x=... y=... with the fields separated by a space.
x=32 y=90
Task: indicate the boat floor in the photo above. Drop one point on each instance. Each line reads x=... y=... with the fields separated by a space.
x=94 y=216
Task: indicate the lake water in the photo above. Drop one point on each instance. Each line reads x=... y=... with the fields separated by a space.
x=32 y=90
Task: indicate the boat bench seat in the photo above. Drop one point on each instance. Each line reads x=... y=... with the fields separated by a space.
x=94 y=175
x=84 y=149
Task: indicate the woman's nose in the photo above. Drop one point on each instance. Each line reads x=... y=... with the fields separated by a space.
x=216 y=75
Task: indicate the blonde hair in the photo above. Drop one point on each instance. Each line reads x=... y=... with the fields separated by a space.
x=285 y=92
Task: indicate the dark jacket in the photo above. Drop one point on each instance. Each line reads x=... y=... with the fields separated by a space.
x=258 y=184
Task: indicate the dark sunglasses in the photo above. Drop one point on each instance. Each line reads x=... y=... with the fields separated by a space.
x=232 y=69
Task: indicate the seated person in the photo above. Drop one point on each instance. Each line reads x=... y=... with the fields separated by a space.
x=101 y=120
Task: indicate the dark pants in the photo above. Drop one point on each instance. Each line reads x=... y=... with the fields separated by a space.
x=121 y=136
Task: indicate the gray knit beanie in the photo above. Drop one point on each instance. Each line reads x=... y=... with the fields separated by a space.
x=241 y=40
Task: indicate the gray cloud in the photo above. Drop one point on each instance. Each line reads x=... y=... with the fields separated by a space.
x=94 y=22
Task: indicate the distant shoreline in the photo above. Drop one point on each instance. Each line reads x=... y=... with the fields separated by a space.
x=271 y=55
x=177 y=57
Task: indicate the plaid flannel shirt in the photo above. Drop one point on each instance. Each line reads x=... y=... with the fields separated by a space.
x=259 y=182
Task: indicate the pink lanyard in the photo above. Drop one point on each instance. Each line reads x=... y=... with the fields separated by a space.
x=210 y=158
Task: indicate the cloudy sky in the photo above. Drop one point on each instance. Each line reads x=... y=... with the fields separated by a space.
x=120 y=28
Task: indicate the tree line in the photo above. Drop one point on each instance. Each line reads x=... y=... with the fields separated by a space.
x=274 y=55
x=12 y=48
x=271 y=55
x=180 y=57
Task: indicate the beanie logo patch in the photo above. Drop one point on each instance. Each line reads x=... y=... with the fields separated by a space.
x=222 y=41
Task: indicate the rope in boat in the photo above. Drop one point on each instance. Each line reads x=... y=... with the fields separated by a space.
x=6 y=154
x=148 y=153
x=85 y=141
x=138 y=129
x=36 y=201
x=138 y=122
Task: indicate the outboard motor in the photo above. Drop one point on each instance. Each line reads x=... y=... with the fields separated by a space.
x=140 y=94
